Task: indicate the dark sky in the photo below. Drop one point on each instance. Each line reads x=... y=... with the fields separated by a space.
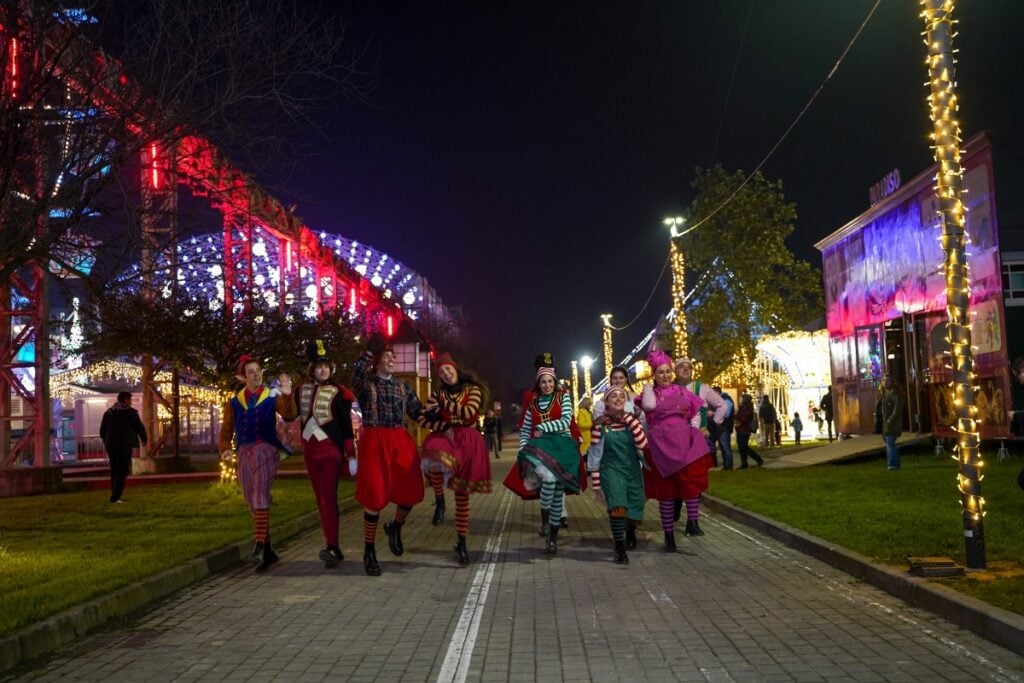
x=523 y=155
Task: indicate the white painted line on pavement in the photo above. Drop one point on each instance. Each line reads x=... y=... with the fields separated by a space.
x=657 y=593
x=846 y=592
x=460 y=649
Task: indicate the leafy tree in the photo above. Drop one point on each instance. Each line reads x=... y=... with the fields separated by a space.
x=748 y=281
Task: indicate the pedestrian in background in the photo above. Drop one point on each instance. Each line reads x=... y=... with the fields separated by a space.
x=768 y=418
x=585 y=421
x=826 y=409
x=746 y=424
x=798 y=426
x=891 y=401
x=724 y=431
x=121 y=430
x=491 y=434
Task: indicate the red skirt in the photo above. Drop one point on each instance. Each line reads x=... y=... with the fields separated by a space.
x=464 y=457
x=389 y=469
x=689 y=482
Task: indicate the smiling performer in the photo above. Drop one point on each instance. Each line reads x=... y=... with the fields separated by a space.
x=455 y=453
x=679 y=451
x=251 y=418
x=389 y=465
x=325 y=412
x=549 y=458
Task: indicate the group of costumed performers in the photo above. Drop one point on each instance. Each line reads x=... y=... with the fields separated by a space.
x=325 y=414
x=679 y=453
x=549 y=461
x=251 y=418
x=455 y=455
x=389 y=464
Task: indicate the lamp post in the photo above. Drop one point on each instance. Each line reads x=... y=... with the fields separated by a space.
x=575 y=384
x=586 y=362
x=678 y=265
x=606 y=343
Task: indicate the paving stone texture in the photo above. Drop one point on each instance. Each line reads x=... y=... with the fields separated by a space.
x=729 y=606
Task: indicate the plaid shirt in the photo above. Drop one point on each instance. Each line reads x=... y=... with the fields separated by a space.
x=383 y=402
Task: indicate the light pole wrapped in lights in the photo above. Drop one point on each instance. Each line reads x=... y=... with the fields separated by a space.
x=586 y=362
x=942 y=104
x=606 y=343
x=678 y=265
x=575 y=384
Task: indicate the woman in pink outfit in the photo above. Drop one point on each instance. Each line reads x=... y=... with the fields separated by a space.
x=679 y=455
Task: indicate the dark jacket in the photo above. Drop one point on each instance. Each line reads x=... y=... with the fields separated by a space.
x=745 y=418
x=121 y=428
x=826 y=405
x=892 y=413
x=766 y=413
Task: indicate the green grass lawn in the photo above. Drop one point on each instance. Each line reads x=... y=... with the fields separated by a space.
x=891 y=515
x=60 y=550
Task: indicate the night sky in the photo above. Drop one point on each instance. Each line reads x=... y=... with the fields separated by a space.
x=523 y=155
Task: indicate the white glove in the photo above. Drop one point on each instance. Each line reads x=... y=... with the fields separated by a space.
x=353 y=465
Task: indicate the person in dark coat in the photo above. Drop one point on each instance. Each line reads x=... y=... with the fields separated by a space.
x=826 y=409
x=121 y=430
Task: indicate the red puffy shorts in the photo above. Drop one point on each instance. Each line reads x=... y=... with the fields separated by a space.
x=389 y=469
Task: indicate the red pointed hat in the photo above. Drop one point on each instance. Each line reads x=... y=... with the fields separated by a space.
x=243 y=360
x=444 y=359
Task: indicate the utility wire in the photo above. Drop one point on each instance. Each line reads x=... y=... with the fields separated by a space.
x=732 y=80
x=649 y=297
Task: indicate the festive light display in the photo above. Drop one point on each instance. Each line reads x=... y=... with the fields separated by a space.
x=678 y=265
x=586 y=362
x=229 y=469
x=942 y=106
x=606 y=344
x=575 y=384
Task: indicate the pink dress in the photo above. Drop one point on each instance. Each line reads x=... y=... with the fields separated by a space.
x=679 y=452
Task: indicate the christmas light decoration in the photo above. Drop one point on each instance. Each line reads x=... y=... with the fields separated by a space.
x=678 y=265
x=575 y=384
x=606 y=344
x=586 y=362
x=942 y=105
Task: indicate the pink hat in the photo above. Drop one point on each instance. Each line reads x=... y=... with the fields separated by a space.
x=656 y=358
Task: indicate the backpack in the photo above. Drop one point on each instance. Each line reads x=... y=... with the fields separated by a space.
x=753 y=422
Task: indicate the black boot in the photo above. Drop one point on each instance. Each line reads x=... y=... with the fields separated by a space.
x=620 y=556
x=256 y=555
x=370 y=564
x=461 y=551
x=692 y=528
x=331 y=556
x=670 y=542
x=630 y=536
x=678 y=505
x=553 y=540
x=438 y=511
x=268 y=558
x=394 y=532
x=545 y=523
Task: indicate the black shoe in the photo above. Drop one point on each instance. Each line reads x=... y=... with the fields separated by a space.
x=563 y=523
x=678 y=509
x=692 y=528
x=545 y=523
x=257 y=552
x=630 y=536
x=620 y=556
x=744 y=466
x=460 y=549
x=370 y=564
x=670 y=542
x=269 y=558
x=553 y=540
x=438 y=511
x=394 y=532
x=331 y=556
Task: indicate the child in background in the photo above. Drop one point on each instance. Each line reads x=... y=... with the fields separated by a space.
x=798 y=427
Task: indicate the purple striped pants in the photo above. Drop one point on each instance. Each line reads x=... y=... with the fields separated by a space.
x=257 y=466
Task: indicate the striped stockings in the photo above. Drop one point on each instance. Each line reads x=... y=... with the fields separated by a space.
x=667 y=509
x=552 y=495
x=370 y=528
x=617 y=519
x=436 y=479
x=261 y=525
x=692 y=508
x=462 y=514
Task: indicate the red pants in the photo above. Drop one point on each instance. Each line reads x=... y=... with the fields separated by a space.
x=389 y=469
x=324 y=463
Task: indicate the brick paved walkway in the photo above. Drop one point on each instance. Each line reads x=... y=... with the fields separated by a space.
x=731 y=606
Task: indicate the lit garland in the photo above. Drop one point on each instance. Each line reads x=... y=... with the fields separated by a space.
x=229 y=469
x=606 y=344
x=942 y=104
x=62 y=383
x=678 y=265
x=575 y=384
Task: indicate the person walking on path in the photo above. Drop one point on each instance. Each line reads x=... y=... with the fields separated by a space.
x=798 y=426
x=251 y=417
x=549 y=457
x=723 y=433
x=121 y=430
x=454 y=454
x=614 y=457
x=746 y=424
x=491 y=434
x=328 y=447
x=891 y=410
x=768 y=418
x=389 y=464
x=826 y=411
x=679 y=452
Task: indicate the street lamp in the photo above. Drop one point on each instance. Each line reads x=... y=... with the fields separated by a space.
x=606 y=343
x=586 y=362
x=678 y=286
